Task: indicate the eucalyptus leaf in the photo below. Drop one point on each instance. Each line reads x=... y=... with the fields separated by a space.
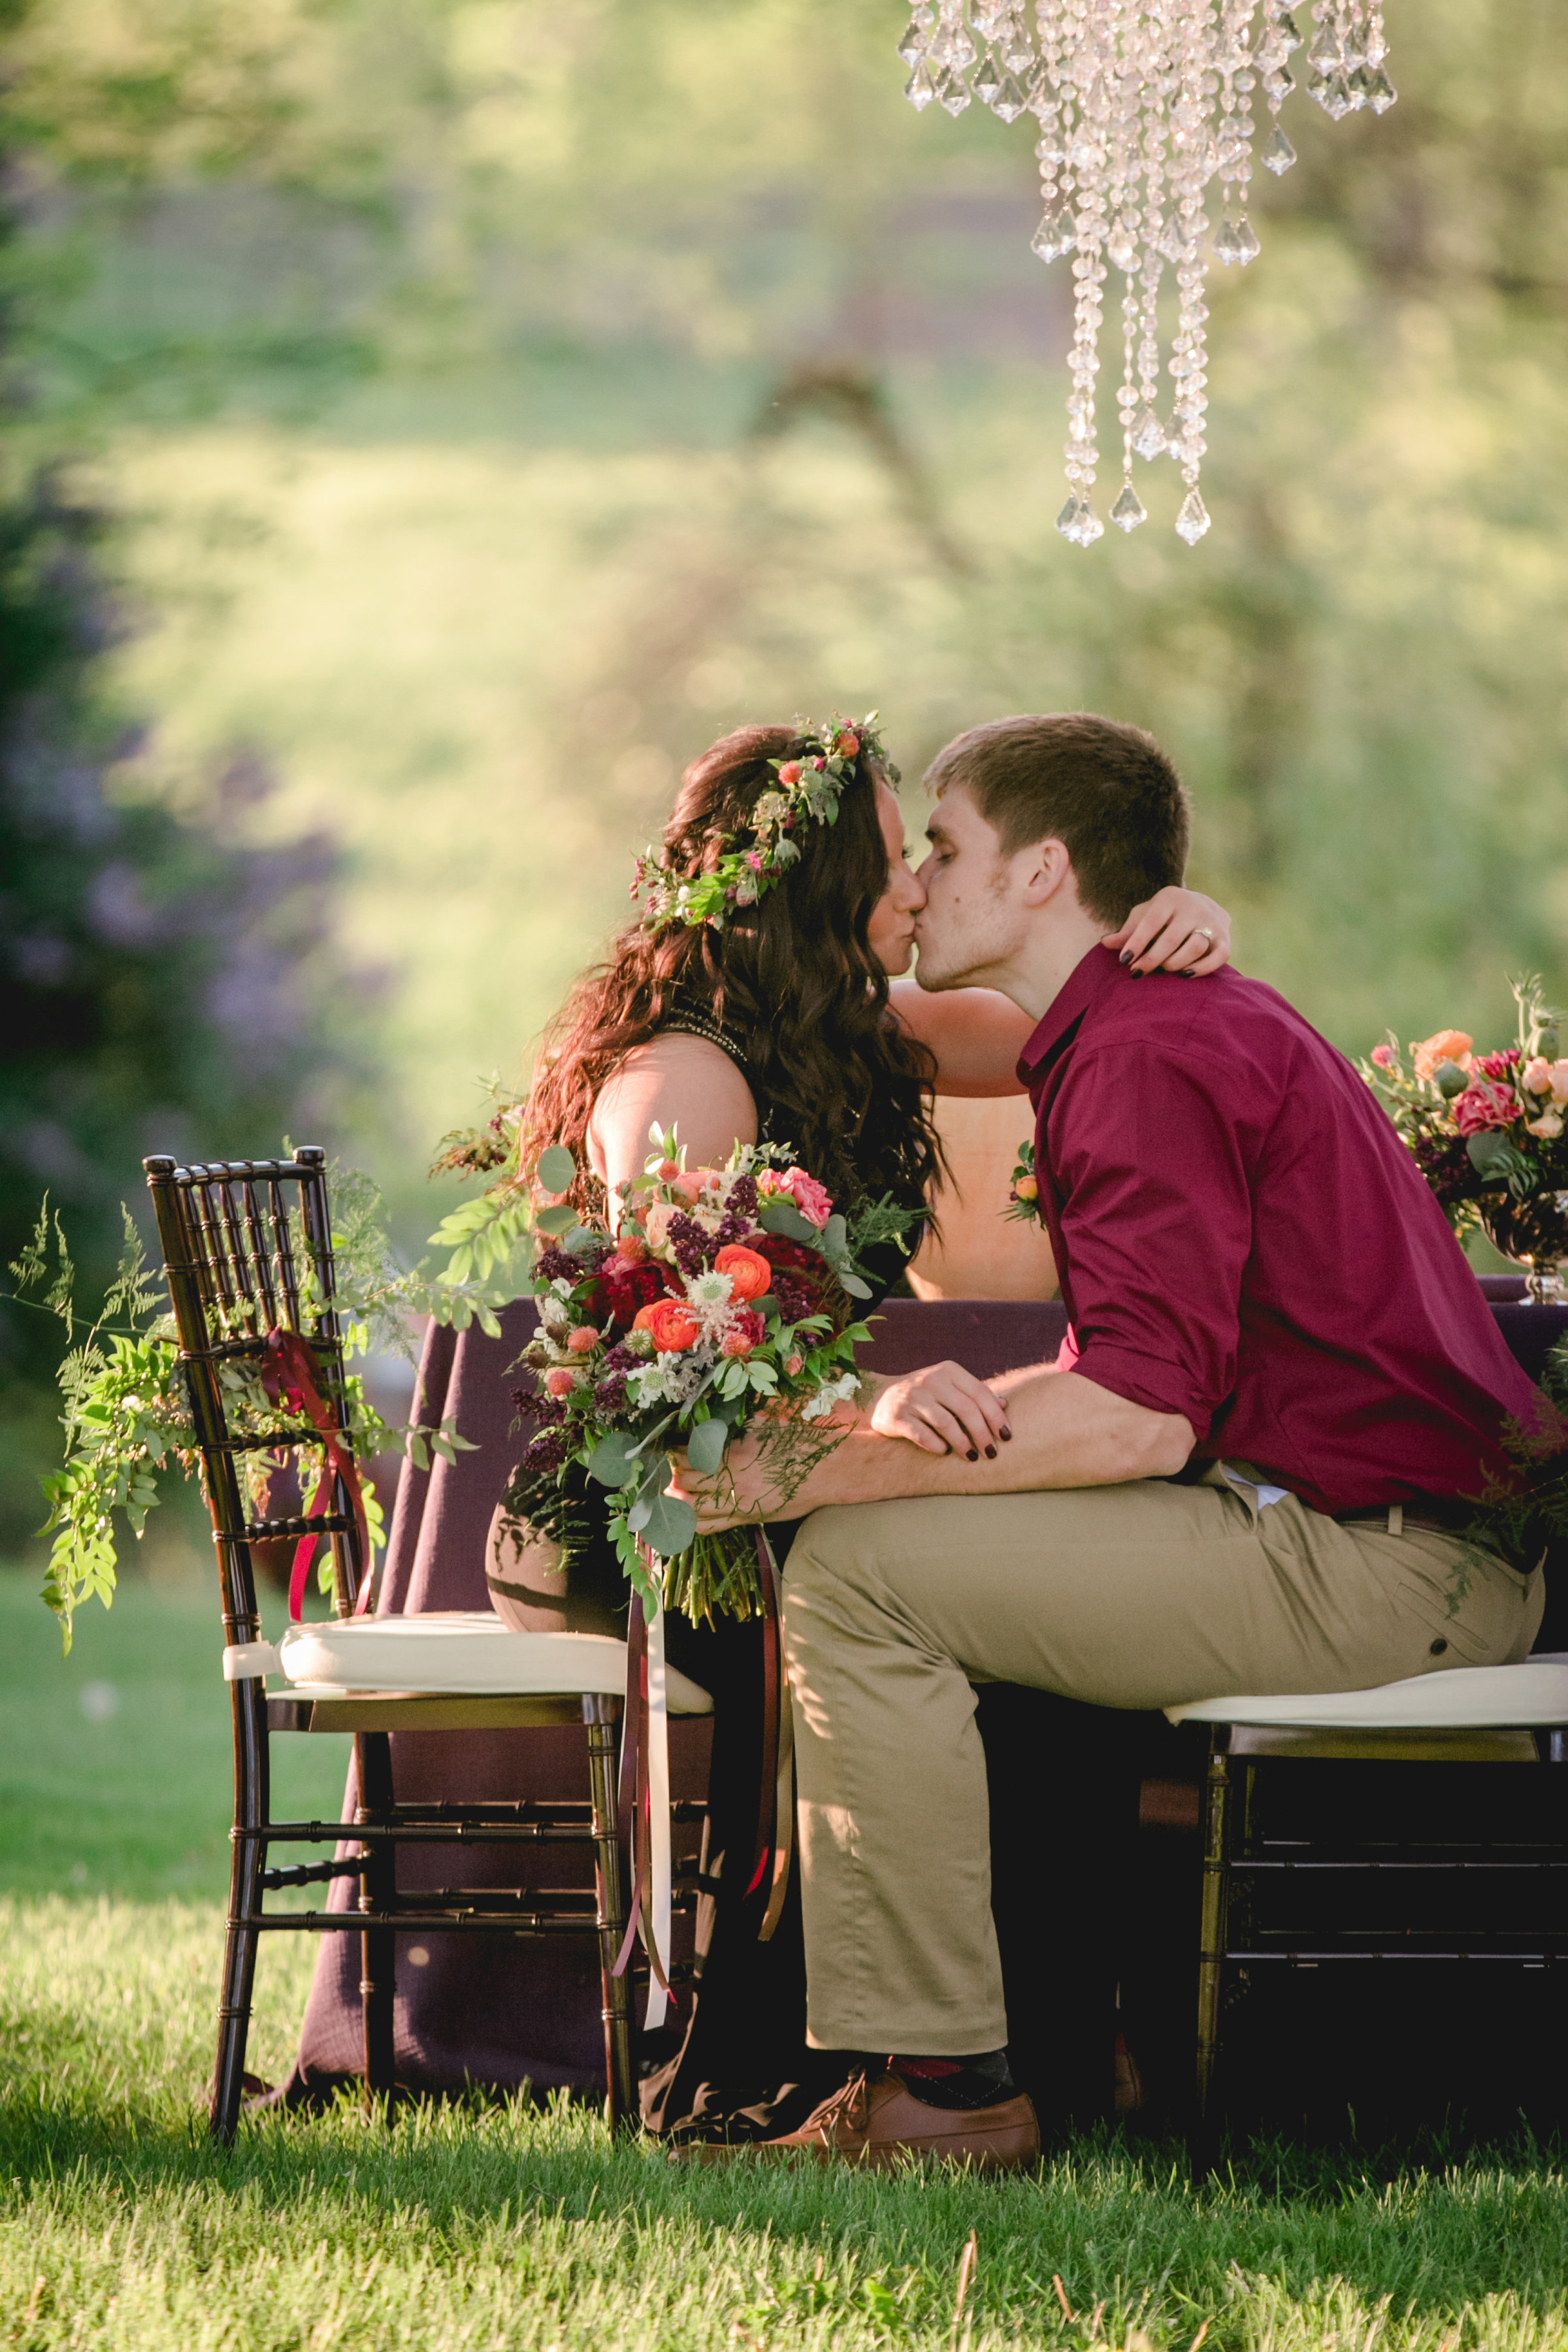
x=782 y=1216
x=557 y=1221
x=557 y=1170
x=705 y=1446
x=670 y=1526
x=855 y=1287
x=1489 y=1153
x=834 y=1236
x=613 y=1462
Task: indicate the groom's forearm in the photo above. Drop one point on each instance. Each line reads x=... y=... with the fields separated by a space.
x=1066 y=1432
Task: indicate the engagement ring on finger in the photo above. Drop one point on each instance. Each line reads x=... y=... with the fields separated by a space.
x=1205 y=933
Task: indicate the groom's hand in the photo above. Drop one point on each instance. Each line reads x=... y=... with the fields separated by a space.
x=748 y=1487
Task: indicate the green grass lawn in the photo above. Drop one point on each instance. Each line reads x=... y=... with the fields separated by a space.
x=499 y=2226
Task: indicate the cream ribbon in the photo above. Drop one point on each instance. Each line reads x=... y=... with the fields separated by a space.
x=659 y=1806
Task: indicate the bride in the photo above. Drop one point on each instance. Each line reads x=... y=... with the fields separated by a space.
x=787 y=1019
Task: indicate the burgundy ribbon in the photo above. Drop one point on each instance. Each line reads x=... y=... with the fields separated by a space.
x=635 y=1800
x=773 y=1672
x=775 y=1810
x=293 y=1377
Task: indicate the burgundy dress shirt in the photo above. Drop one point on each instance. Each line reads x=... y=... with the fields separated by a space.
x=1242 y=1238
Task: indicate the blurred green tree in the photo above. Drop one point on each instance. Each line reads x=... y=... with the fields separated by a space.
x=162 y=987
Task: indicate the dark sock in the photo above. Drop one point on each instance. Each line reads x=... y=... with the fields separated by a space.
x=979 y=2082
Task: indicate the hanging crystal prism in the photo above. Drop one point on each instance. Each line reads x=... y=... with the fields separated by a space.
x=1193 y=519
x=1143 y=107
x=953 y=91
x=1057 y=234
x=1009 y=102
x=1277 y=152
x=920 y=88
x=1129 y=510
x=913 y=45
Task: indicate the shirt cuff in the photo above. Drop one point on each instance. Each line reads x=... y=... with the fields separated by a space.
x=1145 y=1381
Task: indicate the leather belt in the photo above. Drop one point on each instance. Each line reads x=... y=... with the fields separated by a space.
x=1448 y=1512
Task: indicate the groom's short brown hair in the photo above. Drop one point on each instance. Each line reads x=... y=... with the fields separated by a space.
x=1106 y=792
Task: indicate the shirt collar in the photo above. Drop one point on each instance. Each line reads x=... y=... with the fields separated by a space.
x=1085 y=985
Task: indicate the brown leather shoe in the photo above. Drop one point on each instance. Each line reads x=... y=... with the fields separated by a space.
x=879 y=2123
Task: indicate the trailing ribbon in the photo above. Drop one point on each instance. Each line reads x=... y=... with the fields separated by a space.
x=293 y=1377
x=776 y=1812
x=645 y=1801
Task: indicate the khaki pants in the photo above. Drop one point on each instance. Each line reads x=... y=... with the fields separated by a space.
x=1135 y=1596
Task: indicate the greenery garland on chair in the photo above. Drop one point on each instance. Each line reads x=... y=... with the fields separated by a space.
x=127 y=1417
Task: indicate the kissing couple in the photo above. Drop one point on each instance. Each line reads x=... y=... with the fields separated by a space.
x=1247 y=1471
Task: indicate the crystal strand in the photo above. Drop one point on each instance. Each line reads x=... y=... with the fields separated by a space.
x=1052 y=105
x=1380 y=93
x=1149 y=435
x=914 y=49
x=1190 y=166
x=1123 y=248
x=1330 y=84
x=1238 y=239
x=1278 y=40
x=1093 y=73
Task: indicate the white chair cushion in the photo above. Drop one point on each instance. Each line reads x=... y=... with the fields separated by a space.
x=468 y=1652
x=1455 y=1699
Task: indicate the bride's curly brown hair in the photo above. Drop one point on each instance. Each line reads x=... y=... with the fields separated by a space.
x=792 y=979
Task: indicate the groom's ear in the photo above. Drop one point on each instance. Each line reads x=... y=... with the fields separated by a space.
x=1043 y=867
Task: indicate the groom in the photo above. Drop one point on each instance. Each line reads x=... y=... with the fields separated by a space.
x=1246 y=1472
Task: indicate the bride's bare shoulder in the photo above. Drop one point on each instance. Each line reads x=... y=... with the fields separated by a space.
x=672 y=1081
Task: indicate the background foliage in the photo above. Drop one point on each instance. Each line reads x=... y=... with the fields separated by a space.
x=494 y=400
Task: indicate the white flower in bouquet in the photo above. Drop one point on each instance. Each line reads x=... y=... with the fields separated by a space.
x=831 y=1393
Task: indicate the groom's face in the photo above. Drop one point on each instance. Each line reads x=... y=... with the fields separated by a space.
x=976 y=914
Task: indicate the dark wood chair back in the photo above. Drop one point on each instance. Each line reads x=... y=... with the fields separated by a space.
x=248 y=1249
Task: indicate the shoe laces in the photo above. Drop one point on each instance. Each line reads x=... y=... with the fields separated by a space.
x=849 y=2106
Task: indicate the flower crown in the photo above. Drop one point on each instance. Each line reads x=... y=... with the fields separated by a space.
x=810 y=785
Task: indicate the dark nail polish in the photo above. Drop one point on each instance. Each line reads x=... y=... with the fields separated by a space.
x=990 y=1453
x=1007 y=1436
x=972 y=1456
x=1125 y=957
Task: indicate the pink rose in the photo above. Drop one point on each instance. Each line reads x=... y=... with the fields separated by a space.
x=793 y=1365
x=812 y=1199
x=849 y=743
x=1559 y=1079
x=1383 y=1057
x=1536 y=1076
x=560 y=1379
x=1482 y=1106
x=790 y=773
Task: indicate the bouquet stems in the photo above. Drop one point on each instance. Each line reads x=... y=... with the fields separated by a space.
x=715 y=1576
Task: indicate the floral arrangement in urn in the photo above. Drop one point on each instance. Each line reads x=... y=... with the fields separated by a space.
x=1487 y=1131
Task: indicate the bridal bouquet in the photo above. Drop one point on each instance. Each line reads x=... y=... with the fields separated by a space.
x=1486 y=1130
x=705 y=1303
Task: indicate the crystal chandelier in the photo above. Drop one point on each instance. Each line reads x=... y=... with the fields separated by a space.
x=1141 y=104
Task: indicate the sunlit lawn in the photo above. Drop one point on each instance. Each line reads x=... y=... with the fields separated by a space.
x=491 y=2226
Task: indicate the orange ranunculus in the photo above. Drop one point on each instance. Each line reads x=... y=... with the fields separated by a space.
x=670 y=1326
x=1448 y=1046
x=750 y=1273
